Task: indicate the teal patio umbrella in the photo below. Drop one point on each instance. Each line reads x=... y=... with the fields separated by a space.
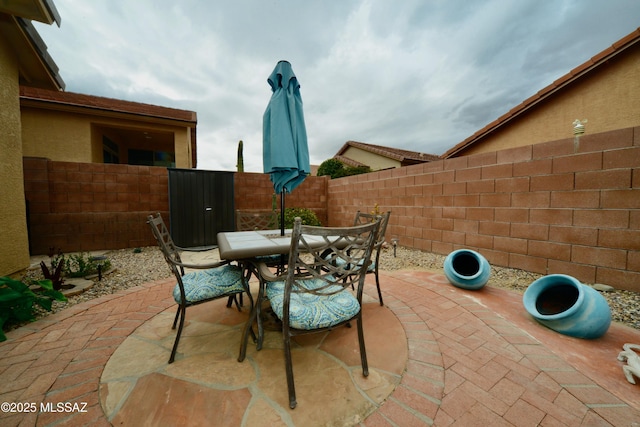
x=285 y=153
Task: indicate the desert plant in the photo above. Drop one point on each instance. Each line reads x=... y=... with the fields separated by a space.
x=55 y=269
x=240 y=165
x=82 y=264
x=17 y=300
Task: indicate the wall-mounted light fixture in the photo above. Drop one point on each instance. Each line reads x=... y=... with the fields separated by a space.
x=578 y=130
x=578 y=126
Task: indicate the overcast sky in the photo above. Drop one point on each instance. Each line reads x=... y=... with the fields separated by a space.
x=419 y=75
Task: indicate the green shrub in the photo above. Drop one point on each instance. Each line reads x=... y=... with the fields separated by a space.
x=336 y=169
x=307 y=216
x=331 y=167
x=17 y=300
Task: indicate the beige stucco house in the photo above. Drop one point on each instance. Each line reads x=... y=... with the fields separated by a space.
x=378 y=157
x=604 y=91
x=72 y=127
x=23 y=61
x=39 y=120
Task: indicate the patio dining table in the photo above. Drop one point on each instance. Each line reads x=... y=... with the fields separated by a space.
x=239 y=245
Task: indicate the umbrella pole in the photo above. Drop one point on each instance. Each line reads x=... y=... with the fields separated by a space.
x=282 y=258
x=282 y=212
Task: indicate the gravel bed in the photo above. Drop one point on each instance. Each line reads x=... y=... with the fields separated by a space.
x=135 y=267
x=625 y=305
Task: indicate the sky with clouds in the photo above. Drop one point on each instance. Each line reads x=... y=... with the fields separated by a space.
x=420 y=75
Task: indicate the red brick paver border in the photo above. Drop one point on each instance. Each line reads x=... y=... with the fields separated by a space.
x=467 y=364
x=60 y=358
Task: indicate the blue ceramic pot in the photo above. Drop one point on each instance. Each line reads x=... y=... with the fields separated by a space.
x=562 y=303
x=467 y=269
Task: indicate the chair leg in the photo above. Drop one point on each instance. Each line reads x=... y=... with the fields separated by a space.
x=182 y=309
x=248 y=329
x=258 y=317
x=246 y=275
x=175 y=320
x=289 y=369
x=237 y=302
x=378 y=285
x=363 y=350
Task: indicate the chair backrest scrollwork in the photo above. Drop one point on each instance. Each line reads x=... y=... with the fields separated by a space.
x=165 y=242
x=337 y=263
x=256 y=220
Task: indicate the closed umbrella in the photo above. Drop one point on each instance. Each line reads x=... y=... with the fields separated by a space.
x=285 y=152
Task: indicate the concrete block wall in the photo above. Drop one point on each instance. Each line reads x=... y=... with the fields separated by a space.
x=556 y=207
x=254 y=191
x=91 y=206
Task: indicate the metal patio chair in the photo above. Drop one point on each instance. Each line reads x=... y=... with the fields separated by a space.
x=209 y=282
x=364 y=218
x=314 y=294
x=261 y=220
x=256 y=220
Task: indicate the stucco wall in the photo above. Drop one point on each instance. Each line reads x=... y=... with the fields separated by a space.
x=14 y=249
x=56 y=135
x=75 y=137
x=182 y=148
x=609 y=99
x=375 y=161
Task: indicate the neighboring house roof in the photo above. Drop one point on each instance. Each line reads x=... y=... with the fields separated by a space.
x=77 y=100
x=577 y=73
x=349 y=162
x=36 y=66
x=405 y=157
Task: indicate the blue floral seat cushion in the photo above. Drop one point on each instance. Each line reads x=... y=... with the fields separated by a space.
x=370 y=269
x=201 y=285
x=309 y=311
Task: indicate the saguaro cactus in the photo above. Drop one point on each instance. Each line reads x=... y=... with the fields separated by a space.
x=240 y=164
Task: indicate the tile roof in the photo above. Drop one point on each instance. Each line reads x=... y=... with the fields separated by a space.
x=106 y=104
x=573 y=75
x=400 y=155
x=349 y=162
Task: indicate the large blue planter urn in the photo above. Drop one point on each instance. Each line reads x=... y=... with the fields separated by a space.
x=467 y=269
x=562 y=303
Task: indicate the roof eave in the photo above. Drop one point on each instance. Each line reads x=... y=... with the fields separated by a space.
x=107 y=112
x=542 y=95
x=37 y=10
x=35 y=65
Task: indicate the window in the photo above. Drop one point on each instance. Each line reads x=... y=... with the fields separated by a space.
x=151 y=158
x=110 y=151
